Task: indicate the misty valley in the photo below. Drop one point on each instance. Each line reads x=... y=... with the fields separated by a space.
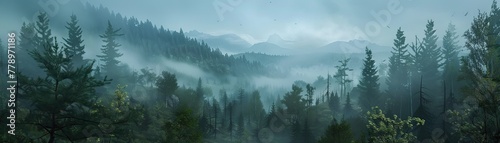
x=89 y=74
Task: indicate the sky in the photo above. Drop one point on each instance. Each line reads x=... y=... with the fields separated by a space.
x=316 y=22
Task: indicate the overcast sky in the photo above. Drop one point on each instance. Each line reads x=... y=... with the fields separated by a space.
x=317 y=22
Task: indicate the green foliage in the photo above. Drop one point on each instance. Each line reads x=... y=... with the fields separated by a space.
x=431 y=58
x=382 y=129
x=368 y=84
x=481 y=71
x=348 y=109
x=256 y=109
x=450 y=51
x=167 y=85
x=109 y=51
x=342 y=75
x=398 y=73
x=61 y=98
x=44 y=33
x=74 y=42
x=184 y=128
x=337 y=133
x=296 y=136
x=293 y=101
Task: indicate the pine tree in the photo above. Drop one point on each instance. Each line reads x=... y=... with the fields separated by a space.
x=74 y=42
x=309 y=95
x=334 y=104
x=398 y=72
x=293 y=101
x=27 y=40
x=58 y=111
x=423 y=112
x=110 y=50
x=27 y=43
x=450 y=57
x=431 y=55
x=44 y=33
x=348 y=109
x=342 y=75
x=167 y=84
x=256 y=109
x=224 y=99
x=216 y=109
x=368 y=84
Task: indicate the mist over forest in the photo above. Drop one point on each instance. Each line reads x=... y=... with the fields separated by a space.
x=301 y=72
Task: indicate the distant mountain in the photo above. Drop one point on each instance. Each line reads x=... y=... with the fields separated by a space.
x=276 y=39
x=353 y=46
x=268 y=48
x=227 y=43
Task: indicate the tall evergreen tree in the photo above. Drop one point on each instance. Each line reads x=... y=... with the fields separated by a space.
x=348 y=109
x=342 y=76
x=368 y=84
x=293 y=101
x=110 y=50
x=27 y=43
x=256 y=109
x=431 y=55
x=450 y=56
x=44 y=33
x=334 y=104
x=398 y=73
x=225 y=101
x=216 y=109
x=65 y=92
x=167 y=84
x=423 y=112
x=74 y=42
x=309 y=95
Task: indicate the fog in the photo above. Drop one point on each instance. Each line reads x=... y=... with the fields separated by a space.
x=257 y=52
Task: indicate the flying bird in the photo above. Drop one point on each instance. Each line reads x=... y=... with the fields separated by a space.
x=466 y=13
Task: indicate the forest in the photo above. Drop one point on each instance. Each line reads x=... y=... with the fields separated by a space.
x=426 y=92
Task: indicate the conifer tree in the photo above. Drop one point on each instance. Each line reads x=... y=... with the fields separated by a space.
x=342 y=75
x=293 y=101
x=44 y=33
x=74 y=42
x=65 y=93
x=368 y=84
x=110 y=50
x=167 y=84
x=398 y=72
x=348 y=109
x=431 y=55
x=451 y=60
